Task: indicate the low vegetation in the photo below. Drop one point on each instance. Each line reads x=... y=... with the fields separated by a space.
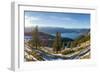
x=59 y=45
x=67 y=52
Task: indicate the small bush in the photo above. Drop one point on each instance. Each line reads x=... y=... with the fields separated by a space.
x=38 y=57
x=67 y=52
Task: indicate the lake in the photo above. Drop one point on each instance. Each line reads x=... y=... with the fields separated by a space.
x=71 y=35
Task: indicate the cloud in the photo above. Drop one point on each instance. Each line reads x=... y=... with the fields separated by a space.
x=62 y=18
x=67 y=18
x=29 y=20
x=32 y=18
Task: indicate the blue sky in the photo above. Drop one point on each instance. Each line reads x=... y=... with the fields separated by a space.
x=57 y=19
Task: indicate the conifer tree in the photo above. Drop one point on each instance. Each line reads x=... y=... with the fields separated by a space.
x=63 y=45
x=35 y=42
x=68 y=44
x=57 y=43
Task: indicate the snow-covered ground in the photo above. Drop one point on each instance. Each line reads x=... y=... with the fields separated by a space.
x=47 y=54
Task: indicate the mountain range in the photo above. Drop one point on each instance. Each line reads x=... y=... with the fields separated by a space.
x=53 y=30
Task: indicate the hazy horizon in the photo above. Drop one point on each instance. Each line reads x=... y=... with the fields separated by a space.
x=55 y=27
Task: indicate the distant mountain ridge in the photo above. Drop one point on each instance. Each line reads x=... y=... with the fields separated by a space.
x=52 y=30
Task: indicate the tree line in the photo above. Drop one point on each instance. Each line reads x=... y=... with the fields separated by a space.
x=57 y=45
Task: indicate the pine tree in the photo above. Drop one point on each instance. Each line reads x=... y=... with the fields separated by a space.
x=71 y=45
x=57 y=43
x=63 y=46
x=35 y=42
x=68 y=44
